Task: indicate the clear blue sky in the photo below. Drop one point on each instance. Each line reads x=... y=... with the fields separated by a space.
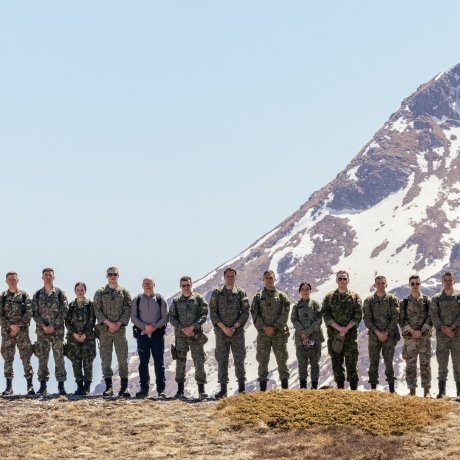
x=165 y=137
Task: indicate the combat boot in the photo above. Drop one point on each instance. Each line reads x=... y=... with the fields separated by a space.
x=223 y=391
x=284 y=384
x=30 y=387
x=340 y=385
x=263 y=385
x=303 y=384
x=108 y=387
x=353 y=386
x=458 y=388
x=79 y=391
x=180 y=390
x=201 y=393
x=9 y=388
x=241 y=387
x=442 y=389
x=123 y=388
x=61 y=389
x=142 y=393
x=373 y=386
x=42 y=391
x=86 y=388
x=411 y=392
x=314 y=384
x=391 y=386
x=426 y=393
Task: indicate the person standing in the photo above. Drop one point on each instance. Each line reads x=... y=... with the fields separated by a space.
x=187 y=314
x=81 y=339
x=381 y=315
x=49 y=311
x=149 y=314
x=112 y=306
x=229 y=311
x=415 y=322
x=15 y=316
x=342 y=313
x=306 y=317
x=445 y=315
x=270 y=313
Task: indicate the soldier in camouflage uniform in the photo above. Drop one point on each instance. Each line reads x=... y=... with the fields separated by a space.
x=15 y=316
x=229 y=311
x=81 y=339
x=342 y=313
x=416 y=325
x=270 y=313
x=49 y=311
x=112 y=306
x=306 y=318
x=445 y=315
x=187 y=314
x=381 y=315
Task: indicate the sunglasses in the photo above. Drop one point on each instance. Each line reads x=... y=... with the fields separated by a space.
x=415 y=284
x=112 y=274
x=342 y=279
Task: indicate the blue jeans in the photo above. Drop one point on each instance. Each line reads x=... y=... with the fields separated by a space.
x=154 y=345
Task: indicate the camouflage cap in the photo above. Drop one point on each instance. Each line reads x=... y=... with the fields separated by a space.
x=337 y=344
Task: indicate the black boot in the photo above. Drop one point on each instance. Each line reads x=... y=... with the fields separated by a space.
x=201 y=393
x=143 y=392
x=108 y=387
x=426 y=392
x=61 y=389
x=373 y=386
x=223 y=391
x=42 y=391
x=284 y=384
x=314 y=384
x=340 y=385
x=30 y=387
x=79 y=391
x=241 y=387
x=123 y=388
x=353 y=386
x=9 y=388
x=180 y=390
x=391 y=386
x=303 y=384
x=442 y=389
x=86 y=388
x=458 y=388
x=263 y=385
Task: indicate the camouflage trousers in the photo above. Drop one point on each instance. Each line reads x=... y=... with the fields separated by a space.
x=414 y=348
x=183 y=345
x=349 y=354
x=223 y=345
x=387 y=349
x=445 y=346
x=107 y=342
x=305 y=357
x=263 y=348
x=9 y=344
x=81 y=356
x=42 y=350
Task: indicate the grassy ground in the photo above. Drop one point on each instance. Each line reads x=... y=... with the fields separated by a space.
x=290 y=424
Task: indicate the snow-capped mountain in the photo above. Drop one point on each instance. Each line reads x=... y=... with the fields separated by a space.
x=392 y=211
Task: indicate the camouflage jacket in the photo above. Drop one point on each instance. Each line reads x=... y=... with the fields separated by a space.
x=15 y=308
x=188 y=311
x=415 y=314
x=270 y=308
x=445 y=310
x=50 y=310
x=229 y=306
x=382 y=314
x=81 y=318
x=307 y=317
x=112 y=304
x=342 y=309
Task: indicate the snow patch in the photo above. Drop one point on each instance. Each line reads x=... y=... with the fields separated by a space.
x=351 y=174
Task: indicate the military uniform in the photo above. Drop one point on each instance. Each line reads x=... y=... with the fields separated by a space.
x=306 y=317
x=50 y=310
x=16 y=308
x=343 y=309
x=414 y=315
x=445 y=311
x=81 y=320
x=381 y=314
x=113 y=305
x=229 y=307
x=270 y=308
x=186 y=312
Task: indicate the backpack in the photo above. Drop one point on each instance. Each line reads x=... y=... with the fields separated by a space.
x=137 y=332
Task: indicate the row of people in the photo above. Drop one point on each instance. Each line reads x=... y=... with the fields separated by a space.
x=113 y=307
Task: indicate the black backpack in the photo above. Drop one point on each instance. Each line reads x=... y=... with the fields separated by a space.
x=137 y=332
